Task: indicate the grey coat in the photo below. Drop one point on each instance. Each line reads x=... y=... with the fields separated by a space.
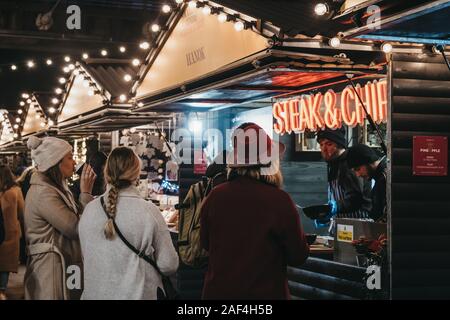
x=111 y=270
x=51 y=230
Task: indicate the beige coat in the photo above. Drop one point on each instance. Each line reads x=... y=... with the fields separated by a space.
x=12 y=208
x=51 y=230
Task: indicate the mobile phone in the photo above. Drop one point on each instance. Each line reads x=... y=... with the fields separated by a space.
x=79 y=168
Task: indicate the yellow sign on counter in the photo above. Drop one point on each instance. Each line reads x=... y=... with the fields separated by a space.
x=344 y=233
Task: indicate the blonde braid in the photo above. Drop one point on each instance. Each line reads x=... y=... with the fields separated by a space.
x=113 y=194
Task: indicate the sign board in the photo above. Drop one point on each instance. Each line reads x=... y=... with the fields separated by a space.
x=344 y=233
x=200 y=163
x=332 y=110
x=430 y=156
x=199 y=45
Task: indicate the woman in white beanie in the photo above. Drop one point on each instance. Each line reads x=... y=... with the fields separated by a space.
x=51 y=222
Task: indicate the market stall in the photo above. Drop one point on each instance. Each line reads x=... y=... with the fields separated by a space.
x=227 y=65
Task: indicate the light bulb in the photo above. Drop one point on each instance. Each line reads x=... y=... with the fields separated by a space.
x=321 y=8
x=55 y=101
x=22 y=103
x=239 y=26
x=386 y=47
x=192 y=4
x=15 y=135
x=25 y=95
x=85 y=56
x=13 y=67
x=334 y=42
x=206 y=10
x=122 y=49
x=17 y=120
x=222 y=17
x=49 y=62
x=136 y=62
x=144 y=45
x=179 y=1
x=104 y=52
x=19 y=111
x=66 y=69
x=58 y=90
x=127 y=78
x=67 y=59
x=30 y=64
x=51 y=110
x=51 y=122
x=140 y=104
x=62 y=80
x=155 y=27
x=71 y=66
x=122 y=98
x=29 y=101
x=166 y=8
x=16 y=126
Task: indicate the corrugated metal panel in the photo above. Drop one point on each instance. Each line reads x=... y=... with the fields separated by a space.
x=420 y=206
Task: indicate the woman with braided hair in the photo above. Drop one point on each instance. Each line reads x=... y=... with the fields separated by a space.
x=111 y=269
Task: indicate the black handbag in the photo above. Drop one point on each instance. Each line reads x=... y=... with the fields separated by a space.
x=170 y=293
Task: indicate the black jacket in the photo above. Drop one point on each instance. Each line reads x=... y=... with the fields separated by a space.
x=378 y=193
x=351 y=193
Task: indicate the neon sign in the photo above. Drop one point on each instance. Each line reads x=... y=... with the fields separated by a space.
x=314 y=112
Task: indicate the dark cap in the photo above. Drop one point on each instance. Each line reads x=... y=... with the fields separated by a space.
x=337 y=136
x=361 y=155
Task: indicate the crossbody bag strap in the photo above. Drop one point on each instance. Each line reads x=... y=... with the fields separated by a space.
x=128 y=244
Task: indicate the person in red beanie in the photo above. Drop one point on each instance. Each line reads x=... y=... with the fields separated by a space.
x=249 y=226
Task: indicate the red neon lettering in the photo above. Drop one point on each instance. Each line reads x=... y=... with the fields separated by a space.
x=332 y=115
x=279 y=126
x=316 y=120
x=360 y=113
x=374 y=102
x=349 y=119
x=382 y=99
x=294 y=115
x=304 y=114
x=287 y=115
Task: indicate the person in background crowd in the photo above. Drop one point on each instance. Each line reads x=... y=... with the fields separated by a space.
x=11 y=207
x=113 y=270
x=348 y=195
x=217 y=170
x=97 y=161
x=24 y=180
x=51 y=220
x=24 y=183
x=250 y=227
x=366 y=163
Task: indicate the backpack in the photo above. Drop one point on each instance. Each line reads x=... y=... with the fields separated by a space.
x=189 y=249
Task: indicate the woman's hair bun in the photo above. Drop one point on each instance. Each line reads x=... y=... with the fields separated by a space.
x=33 y=142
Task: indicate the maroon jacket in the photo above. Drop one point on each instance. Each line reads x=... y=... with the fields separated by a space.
x=252 y=231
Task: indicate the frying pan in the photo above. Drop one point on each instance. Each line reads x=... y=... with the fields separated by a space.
x=316 y=212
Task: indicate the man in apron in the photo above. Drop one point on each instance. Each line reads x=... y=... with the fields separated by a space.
x=366 y=163
x=348 y=195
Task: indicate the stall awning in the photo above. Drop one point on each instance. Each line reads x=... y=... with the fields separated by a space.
x=96 y=90
x=7 y=132
x=201 y=53
x=412 y=21
x=36 y=121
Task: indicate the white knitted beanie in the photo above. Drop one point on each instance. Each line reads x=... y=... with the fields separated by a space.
x=48 y=151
